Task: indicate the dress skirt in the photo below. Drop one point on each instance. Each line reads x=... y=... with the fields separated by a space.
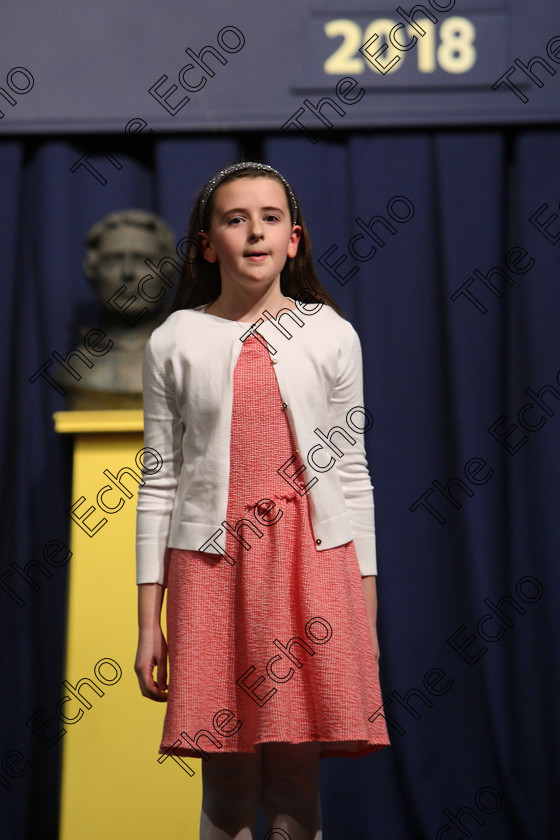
x=271 y=641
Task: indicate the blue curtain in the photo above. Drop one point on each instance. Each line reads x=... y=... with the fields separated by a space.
x=443 y=250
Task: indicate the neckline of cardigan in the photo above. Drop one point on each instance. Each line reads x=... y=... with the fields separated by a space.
x=203 y=307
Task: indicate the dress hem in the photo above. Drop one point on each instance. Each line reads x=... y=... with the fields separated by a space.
x=324 y=752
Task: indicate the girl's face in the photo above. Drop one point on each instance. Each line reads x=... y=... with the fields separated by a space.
x=251 y=233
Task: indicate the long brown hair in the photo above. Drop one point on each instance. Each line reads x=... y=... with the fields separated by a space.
x=199 y=280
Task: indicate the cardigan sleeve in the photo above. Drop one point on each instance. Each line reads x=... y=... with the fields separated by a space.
x=163 y=431
x=347 y=412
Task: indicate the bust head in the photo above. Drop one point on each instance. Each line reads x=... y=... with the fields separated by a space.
x=116 y=250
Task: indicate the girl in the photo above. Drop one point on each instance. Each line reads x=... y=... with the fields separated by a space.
x=252 y=394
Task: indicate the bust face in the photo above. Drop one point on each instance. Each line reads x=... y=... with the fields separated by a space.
x=121 y=262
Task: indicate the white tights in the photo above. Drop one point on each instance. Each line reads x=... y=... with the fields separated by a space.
x=284 y=777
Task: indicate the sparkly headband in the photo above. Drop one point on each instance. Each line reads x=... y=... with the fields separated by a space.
x=236 y=167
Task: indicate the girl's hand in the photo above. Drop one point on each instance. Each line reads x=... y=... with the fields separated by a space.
x=152 y=653
x=373 y=631
x=370 y=596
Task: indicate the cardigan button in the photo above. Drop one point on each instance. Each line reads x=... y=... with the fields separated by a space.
x=274 y=361
x=284 y=405
x=318 y=542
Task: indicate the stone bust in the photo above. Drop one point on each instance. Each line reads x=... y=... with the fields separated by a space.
x=122 y=251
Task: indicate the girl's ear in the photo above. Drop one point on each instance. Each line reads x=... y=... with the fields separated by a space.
x=207 y=250
x=294 y=240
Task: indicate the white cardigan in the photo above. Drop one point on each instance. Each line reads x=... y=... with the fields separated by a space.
x=188 y=395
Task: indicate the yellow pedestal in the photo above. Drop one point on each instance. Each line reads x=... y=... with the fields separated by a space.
x=112 y=783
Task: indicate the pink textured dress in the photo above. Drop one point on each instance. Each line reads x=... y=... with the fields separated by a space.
x=272 y=643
